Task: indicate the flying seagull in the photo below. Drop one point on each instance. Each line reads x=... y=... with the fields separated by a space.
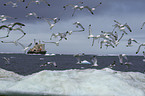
x=121 y=27
x=14 y=4
x=94 y=60
x=37 y=2
x=11 y=27
x=61 y=35
x=57 y=43
x=15 y=42
x=78 y=24
x=25 y=47
x=77 y=56
x=32 y=14
x=48 y=20
x=75 y=7
x=4 y=18
x=142 y=25
x=121 y=56
x=130 y=41
x=143 y=44
x=106 y=41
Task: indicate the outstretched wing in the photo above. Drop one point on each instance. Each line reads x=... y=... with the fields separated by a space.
x=29 y=3
x=46 y=2
x=142 y=25
x=117 y=22
x=17 y=23
x=89 y=9
x=128 y=27
x=140 y=47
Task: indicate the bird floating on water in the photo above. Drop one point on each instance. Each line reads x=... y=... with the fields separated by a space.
x=49 y=63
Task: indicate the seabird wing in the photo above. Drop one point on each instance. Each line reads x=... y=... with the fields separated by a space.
x=128 y=27
x=29 y=3
x=17 y=23
x=142 y=25
x=117 y=22
x=140 y=47
x=89 y=9
x=3 y=26
x=46 y=2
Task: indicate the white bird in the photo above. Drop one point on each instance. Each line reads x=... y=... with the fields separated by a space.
x=25 y=47
x=49 y=63
x=32 y=14
x=55 y=20
x=142 y=25
x=94 y=60
x=14 y=4
x=77 y=56
x=130 y=41
x=37 y=2
x=106 y=41
x=54 y=35
x=121 y=27
x=57 y=43
x=78 y=24
x=11 y=26
x=4 y=18
x=103 y=36
x=115 y=35
x=90 y=32
x=75 y=7
x=15 y=42
x=48 y=20
x=143 y=44
x=112 y=65
x=144 y=54
x=121 y=56
x=7 y=60
x=61 y=35
x=90 y=9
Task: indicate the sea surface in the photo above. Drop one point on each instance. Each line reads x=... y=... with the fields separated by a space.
x=24 y=64
x=23 y=76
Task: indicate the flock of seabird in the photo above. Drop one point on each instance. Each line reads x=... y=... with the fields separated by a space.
x=108 y=38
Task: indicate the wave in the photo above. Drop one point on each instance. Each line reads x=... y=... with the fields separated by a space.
x=74 y=82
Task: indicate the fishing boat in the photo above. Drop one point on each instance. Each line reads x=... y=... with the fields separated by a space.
x=37 y=49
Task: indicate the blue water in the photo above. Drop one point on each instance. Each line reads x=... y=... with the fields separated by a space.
x=27 y=64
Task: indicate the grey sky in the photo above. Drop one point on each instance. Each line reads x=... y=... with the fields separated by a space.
x=124 y=11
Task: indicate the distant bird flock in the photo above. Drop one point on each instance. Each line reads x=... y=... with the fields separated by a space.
x=107 y=39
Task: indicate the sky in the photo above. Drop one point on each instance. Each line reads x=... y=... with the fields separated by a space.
x=124 y=11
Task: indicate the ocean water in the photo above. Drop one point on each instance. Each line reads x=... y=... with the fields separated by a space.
x=24 y=76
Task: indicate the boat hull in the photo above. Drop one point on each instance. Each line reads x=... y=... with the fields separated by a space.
x=33 y=52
